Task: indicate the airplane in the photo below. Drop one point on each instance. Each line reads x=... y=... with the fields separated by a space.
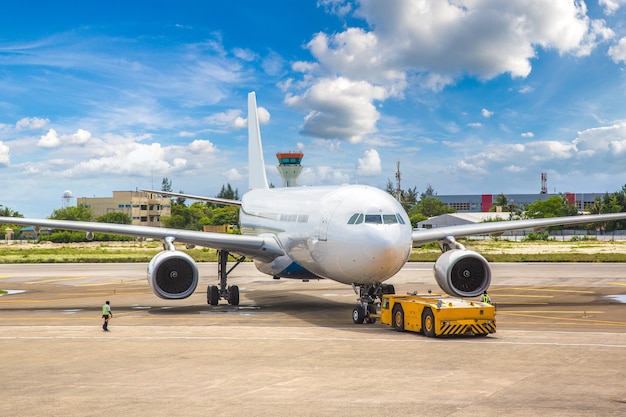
x=352 y=234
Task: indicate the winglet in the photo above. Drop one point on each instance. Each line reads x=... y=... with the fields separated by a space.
x=256 y=164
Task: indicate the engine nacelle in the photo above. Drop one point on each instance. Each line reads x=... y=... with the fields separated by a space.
x=173 y=275
x=462 y=273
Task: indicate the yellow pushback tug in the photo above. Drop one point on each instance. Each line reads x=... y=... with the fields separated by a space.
x=437 y=315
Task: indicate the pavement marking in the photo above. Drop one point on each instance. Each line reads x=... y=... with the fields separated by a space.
x=552 y=312
x=48 y=281
x=569 y=320
x=99 y=284
x=546 y=290
x=503 y=338
x=522 y=295
x=618 y=283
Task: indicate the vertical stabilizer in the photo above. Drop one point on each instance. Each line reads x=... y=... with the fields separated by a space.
x=256 y=164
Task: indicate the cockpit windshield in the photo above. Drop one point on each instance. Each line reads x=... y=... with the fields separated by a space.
x=358 y=218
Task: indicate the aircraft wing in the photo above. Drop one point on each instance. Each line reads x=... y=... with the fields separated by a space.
x=441 y=233
x=223 y=201
x=265 y=248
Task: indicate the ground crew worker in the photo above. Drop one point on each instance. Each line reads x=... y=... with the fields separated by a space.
x=106 y=315
x=485 y=298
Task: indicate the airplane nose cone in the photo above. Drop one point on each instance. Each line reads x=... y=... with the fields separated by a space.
x=384 y=254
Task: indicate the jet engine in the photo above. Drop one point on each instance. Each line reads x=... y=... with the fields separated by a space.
x=462 y=273
x=172 y=275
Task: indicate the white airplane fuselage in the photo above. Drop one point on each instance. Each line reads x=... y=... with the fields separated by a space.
x=350 y=234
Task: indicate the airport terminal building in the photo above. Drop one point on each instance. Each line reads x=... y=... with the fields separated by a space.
x=478 y=203
x=145 y=209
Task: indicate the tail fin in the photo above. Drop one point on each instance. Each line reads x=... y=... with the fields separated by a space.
x=256 y=164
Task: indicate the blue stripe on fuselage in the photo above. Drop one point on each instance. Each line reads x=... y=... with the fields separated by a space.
x=296 y=271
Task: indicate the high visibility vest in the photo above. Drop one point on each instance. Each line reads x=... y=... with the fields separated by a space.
x=105 y=310
x=485 y=298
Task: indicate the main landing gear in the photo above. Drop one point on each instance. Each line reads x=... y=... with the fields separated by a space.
x=229 y=293
x=366 y=307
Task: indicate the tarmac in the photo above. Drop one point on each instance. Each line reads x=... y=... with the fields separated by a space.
x=290 y=348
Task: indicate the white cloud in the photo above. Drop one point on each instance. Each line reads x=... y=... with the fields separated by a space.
x=233 y=175
x=233 y=119
x=466 y=168
x=31 y=123
x=527 y=135
x=483 y=38
x=244 y=54
x=80 y=137
x=322 y=174
x=370 y=164
x=338 y=7
x=550 y=150
x=127 y=159
x=599 y=139
x=53 y=140
x=611 y=6
x=617 y=147
x=431 y=43
x=202 y=146
x=49 y=140
x=514 y=168
x=475 y=124
x=5 y=155
x=339 y=108
x=618 y=52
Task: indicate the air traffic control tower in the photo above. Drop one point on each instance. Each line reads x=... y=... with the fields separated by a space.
x=289 y=167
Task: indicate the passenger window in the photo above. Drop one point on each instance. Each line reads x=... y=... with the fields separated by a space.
x=390 y=218
x=373 y=218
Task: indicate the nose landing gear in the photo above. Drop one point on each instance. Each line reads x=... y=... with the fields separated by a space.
x=369 y=295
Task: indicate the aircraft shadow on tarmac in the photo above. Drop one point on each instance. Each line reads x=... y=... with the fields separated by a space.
x=317 y=310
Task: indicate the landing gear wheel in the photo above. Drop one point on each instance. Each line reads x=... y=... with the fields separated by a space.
x=213 y=295
x=397 y=315
x=233 y=295
x=371 y=309
x=358 y=315
x=428 y=323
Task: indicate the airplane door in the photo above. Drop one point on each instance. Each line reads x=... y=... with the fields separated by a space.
x=330 y=208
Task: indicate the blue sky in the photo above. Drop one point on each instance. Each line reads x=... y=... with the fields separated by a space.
x=470 y=96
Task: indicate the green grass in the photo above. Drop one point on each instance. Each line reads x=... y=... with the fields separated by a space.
x=493 y=251
x=100 y=254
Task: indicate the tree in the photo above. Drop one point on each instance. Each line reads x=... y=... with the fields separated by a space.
x=405 y=197
x=426 y=208
x=228 y=193
x=553 y=206
x=610 y=203
x=8 y=212
x=166 y=185
x=500 y=201
x=78 y=213
x=430 y=192
x=115 y=217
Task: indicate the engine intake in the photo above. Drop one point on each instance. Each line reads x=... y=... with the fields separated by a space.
x=462 y=273
x=172 y=275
